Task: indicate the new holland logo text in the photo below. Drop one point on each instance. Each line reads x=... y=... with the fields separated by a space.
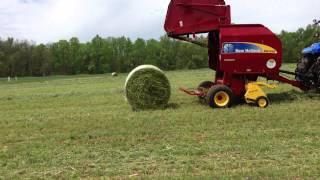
x=246 y=47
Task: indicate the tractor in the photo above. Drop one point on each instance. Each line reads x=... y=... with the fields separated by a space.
x=240 y=54
x=308 y=69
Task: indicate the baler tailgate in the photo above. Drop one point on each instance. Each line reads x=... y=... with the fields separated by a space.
x=188 y=17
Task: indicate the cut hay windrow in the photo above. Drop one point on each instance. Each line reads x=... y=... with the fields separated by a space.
x=147 y=87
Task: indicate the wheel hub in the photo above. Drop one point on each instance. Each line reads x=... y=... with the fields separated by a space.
x=262 y=102
x=221 y=99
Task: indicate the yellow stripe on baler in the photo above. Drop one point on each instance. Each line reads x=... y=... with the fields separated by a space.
x=265 y=48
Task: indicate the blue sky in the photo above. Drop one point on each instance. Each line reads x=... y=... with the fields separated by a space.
x=51 y=20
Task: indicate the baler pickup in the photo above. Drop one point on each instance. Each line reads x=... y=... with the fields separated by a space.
x=193 y=92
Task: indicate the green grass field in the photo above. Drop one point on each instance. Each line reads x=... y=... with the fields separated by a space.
x=81 y=127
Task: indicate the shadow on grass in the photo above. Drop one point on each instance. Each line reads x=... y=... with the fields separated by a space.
x=292 y=95
x=275 y=98
x=169 y=106
x=278 y=98
x=172 y=106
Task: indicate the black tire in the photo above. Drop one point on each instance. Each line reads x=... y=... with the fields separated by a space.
x=302 y=69
x=204 y=86
x=308 y=71
x=316 y=71
x=213 y=99
x=303 y=65
x=265 y=101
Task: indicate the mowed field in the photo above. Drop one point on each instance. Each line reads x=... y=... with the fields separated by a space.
x=81 y=127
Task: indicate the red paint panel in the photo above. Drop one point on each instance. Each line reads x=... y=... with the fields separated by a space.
x=248 y=62
x=196 y=16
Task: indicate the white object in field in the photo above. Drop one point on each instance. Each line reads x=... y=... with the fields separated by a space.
x=114 y=74
x=140 y=68
x=16 y=78
x=9 y=78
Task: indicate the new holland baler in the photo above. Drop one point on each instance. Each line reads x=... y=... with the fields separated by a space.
x=239 y=53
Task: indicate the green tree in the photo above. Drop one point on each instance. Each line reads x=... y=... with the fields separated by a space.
x=41 y=61
x=75 y=55
x=62 y=57
x=138 y=53
x=152 y=52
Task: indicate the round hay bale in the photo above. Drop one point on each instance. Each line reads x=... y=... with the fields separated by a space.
x=147 y=87
x=114 y=74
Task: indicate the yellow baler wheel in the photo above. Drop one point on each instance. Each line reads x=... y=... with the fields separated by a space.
x=262 y=102
x=221 y=99
x=220 y=96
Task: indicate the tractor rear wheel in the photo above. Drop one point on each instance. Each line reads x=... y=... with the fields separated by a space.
x=302 y=68
x=220 y=96
x=305 y=71
x=204 y=87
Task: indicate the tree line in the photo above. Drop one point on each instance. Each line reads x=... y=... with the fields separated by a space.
x=294 y=42
x=100 y=55
x=105 y=55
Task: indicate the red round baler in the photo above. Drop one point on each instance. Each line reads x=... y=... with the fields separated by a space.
x=239 y=53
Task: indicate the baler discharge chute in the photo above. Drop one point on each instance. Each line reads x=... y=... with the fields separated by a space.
x=186 y=17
